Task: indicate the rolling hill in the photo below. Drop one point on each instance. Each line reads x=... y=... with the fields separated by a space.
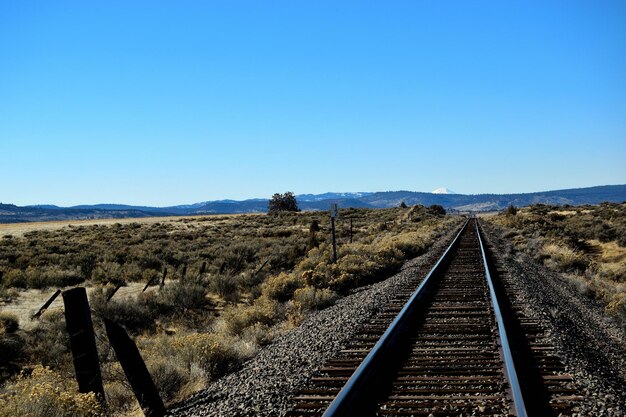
x=10 y=213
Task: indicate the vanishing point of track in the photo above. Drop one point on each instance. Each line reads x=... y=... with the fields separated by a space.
x=460 y=346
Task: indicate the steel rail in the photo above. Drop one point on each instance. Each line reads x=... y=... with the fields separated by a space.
x=354 y=393
x=519 y=408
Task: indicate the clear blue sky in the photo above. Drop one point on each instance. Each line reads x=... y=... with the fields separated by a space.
x=171 y=102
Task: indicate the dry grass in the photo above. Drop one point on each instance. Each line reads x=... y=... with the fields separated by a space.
x=587 y=243
x=233 y=284
x=19 y=229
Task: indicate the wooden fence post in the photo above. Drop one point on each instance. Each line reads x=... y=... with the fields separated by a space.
x=135 y=369
x=46 y=305
x=83 y=341
x=261 y=268
x=163 y=277
x=150 y=281
x=116 y=289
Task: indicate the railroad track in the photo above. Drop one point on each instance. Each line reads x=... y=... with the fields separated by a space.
x=458 y=345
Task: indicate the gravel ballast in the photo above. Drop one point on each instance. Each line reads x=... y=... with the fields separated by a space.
x=591 y=345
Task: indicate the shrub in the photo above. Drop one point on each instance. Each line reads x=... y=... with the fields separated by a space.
x=184 y=296
x=11 y=352
x=311 y=298
x=7 y=295
x=48 y=341
x=52 y=277
x=134 y=314
x=119 y=396
x=281 y=287
x=564 y=258
x=259 y=334
x=8 y=323
x=14 y=278
x=44 y=393
x=214 y=354
x=263 y=311
x=226 y=286
x=168 y=376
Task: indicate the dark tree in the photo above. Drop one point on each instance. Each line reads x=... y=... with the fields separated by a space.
x=437 y=209
x=283 y=202
x=511 y=210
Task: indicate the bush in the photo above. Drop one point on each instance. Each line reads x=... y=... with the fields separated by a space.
x=11 y=351
x=214 y=354
x=263 y=311
x=135 y=315
x=48 y=341
x=44 y=393
x=8 y=323
x=564 y=258
x=226 y=286
x=7 y=295
x=14 y=278
x=168 y=376
x=281 y=287
x=311 y=298
x=52 y=277
x=184 y=296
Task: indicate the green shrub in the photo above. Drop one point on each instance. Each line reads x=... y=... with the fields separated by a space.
x=52 y=277
x=184 y=296
x=226 y=286
x=132 y=313
x=14 y=278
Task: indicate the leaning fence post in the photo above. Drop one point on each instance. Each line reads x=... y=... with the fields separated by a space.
x=82 y=341
x=150 y=281
x=115 y=289
x=135 y=369
x=46 y=305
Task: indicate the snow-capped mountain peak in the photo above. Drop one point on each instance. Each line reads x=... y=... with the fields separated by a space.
x=442 y=190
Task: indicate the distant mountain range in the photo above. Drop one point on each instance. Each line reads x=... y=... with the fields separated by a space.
x=10 y=213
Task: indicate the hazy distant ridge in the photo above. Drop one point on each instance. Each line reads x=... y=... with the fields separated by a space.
x=10 y=213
